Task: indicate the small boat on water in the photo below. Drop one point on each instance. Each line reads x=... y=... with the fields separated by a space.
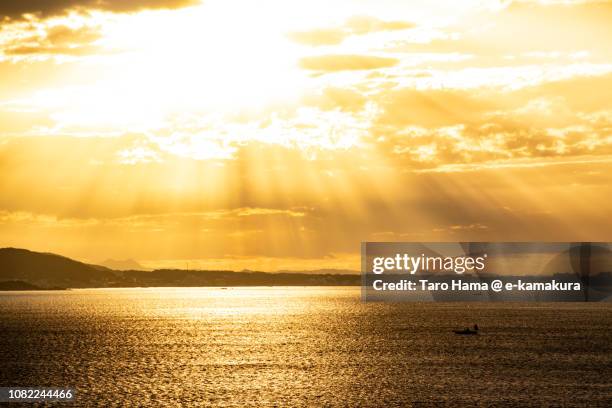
x=467 y=330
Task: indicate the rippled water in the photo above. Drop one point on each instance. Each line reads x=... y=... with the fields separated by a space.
x=302 y=347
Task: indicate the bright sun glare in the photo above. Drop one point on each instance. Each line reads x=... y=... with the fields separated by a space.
x=192 y=60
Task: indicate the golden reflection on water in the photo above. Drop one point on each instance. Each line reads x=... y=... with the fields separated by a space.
x=236 y=302
x=301 y=346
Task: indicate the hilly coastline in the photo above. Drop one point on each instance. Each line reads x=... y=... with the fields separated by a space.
x=21 y=269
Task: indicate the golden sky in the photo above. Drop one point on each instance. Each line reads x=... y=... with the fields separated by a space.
x=280 y=134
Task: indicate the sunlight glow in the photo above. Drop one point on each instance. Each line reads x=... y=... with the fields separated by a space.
x=267 y=134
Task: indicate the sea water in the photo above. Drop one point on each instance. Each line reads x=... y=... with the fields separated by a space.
x=302 y=346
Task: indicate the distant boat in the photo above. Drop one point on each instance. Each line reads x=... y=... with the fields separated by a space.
x=465 y=331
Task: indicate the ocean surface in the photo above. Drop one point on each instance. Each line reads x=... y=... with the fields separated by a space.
x=296 y=346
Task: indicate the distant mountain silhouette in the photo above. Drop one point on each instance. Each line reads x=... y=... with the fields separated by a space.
x=323 y=271
x=181 y=277
x=123 y=265
x=17 y=285
x=47 y=270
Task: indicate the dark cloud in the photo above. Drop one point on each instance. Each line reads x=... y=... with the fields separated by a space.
x=14 y=10
x=333 y=63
